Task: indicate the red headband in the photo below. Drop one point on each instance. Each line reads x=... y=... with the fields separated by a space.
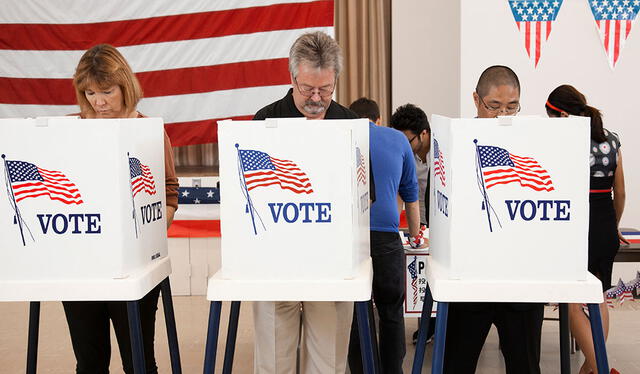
x=554 y=108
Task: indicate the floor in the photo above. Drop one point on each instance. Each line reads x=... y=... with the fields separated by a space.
x=55 y=354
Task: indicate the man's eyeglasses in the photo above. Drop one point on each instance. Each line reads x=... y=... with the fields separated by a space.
x=510 y=109
x=308 y=91
x=410 y=140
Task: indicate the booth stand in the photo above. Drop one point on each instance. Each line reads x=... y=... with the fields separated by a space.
x=294 y=220
x=509 y=221
x=83 y=218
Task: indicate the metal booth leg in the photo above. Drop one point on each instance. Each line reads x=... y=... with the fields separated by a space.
x=135 y=333
x=32 y=344
x=598 y=338
x=366 y=346
x=421 y=343
x=565 y=363
x=212 y=337
x=170 y=319
x=441 y=336
x=230 y=349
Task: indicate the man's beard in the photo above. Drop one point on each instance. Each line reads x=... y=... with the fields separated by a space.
x=313 y=107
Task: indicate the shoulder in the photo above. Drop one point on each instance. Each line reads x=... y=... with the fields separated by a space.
x=267 y=111
x=337 y=111
x=612 y=138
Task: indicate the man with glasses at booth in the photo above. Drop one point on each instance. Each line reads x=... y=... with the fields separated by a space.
x=315 y=61
x=519 y=325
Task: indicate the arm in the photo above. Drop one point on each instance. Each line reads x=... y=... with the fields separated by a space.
x=170 y=181
x=619 y=194
x=413 y=220
x=171 y=211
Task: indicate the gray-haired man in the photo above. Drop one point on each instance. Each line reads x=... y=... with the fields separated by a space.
x=315 y=61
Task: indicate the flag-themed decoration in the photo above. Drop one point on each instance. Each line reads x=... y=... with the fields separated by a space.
x=501 y=167
x=29 y=181
x=198 y=195
x=414 y=280
x=623 y=291
x=361 y=169
x=534 y=20
x=261 y=170
x=438 y=163
x=141 y=178
x=197 y=61
x=613 y=20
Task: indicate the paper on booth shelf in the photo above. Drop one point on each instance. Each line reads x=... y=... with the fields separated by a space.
x=291 y=193
x=84 y=199
x=510 y=202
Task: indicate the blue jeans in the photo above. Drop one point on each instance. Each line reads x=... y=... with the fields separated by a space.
x=387 y=256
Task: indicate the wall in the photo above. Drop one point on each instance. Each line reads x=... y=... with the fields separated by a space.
x=486 y=34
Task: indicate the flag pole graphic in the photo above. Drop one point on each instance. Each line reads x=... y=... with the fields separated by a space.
x=133 y=203
x=483 y=190
x=17 y=216
x=252 y=210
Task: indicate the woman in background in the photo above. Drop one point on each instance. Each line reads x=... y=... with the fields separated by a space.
x=606 y=176
x=107 y=88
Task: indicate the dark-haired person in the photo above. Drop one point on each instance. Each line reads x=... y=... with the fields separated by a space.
x=605 y=211
x=413 y=123
x=519 y=325
x=393 y=166
x=106 y=87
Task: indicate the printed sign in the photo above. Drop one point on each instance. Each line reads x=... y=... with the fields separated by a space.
x=416 y=283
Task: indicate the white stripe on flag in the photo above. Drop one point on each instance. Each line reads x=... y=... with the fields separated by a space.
x=72 y=11
x=160 y=56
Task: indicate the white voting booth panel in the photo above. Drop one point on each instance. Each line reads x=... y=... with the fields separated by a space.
x=295 y=199
x=68 y=211
x=509 y=200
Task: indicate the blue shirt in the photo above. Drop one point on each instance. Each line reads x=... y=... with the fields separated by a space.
x=395 y=171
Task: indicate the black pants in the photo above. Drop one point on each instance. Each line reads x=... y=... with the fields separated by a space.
x=387 y=256
x=519 y=328
x=90 y=334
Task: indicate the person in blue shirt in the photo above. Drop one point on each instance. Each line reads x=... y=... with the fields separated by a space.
x=394 y=167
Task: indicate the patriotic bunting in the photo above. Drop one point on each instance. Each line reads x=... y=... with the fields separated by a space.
x=534 y=20
x=613 y=20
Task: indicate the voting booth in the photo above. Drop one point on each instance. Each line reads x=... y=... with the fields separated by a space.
x=509 y=198
x=84 y=199
x=294 y=198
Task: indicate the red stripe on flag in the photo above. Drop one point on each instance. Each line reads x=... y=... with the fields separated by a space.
x=606 y=36
x=538 y=41
x=167 y=28
x=548 y=30
x=156 y=83
x=616 y=45
x=527 y=38
x=197 y=132
x=194 y=229
x=628 y=29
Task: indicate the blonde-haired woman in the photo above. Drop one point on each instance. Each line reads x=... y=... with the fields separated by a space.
x=106 y=87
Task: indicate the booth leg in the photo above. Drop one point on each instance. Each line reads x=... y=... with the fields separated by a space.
x=135 y=334
x=565 y=364
x=440 y=339
x=366 y=347
x=32 y=344
x=212 y=337
x=374 y=337
x=172 y=334
x=230 y=349
x=598 y=338
x=421 y=343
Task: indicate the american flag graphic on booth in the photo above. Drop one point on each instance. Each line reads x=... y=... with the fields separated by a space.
x=361 y=169
x=28 y=180
x=414 y=279
x=534 y=20
x=197 y=61
x=141 y=177
x=438 y=163
x=613 y=20
x=501 y=167
x=261 y=170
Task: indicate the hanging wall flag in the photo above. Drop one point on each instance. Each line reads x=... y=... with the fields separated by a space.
x=614 y=19
x=534 y=20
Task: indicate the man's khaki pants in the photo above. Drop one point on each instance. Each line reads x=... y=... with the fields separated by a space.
x=324 y=343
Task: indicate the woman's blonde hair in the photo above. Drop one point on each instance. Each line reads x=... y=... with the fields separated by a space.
x=104 y=66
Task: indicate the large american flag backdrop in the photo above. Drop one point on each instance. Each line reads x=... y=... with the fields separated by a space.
x=534 y=20
x=198 y=61
x=613 y=19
